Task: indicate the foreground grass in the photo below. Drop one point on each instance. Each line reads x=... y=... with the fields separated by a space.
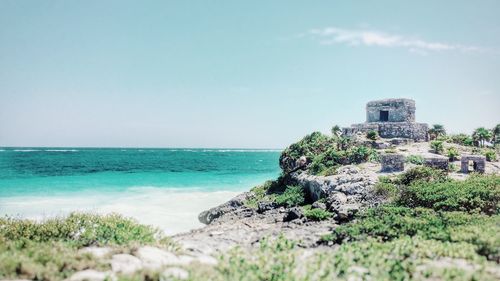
x=49 y=250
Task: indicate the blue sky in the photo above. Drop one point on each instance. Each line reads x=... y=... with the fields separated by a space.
x=251 y=74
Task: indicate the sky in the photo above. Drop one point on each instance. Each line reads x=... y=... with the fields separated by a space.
x=238 y=74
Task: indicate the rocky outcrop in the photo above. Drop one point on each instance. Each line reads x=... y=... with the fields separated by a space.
x=232 y=205
x=349 y=181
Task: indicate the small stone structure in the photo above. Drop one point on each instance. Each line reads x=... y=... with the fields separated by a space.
x=478 y=163
x=392 y=162
x=436 y=161
x=391 y=118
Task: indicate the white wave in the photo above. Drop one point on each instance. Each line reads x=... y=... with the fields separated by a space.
x=61 y=150
x=26 y=150
x=242 y=150
x=173 y=211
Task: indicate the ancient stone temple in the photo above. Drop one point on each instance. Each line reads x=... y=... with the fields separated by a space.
x=391 y=118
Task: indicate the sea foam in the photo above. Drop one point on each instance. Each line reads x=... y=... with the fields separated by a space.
x=172 y=210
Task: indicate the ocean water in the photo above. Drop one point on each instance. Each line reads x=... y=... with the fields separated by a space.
x=167 y=188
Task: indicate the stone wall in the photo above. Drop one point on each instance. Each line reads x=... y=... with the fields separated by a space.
x=392 y=162
x=409 y=130
x=400 y=110
x=478 y=160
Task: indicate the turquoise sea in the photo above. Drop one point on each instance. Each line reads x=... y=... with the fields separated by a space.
x=163 y=187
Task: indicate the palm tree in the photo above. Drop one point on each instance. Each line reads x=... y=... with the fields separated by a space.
x=336 y=131
x=436 y=131
x=481 y=135
x=496 y=134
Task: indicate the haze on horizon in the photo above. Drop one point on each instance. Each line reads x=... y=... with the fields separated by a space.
x=247 y=75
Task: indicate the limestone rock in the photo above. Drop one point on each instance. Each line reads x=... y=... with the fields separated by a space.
x=347 y=211
x=126 y=264
x=154 y=258
x=97 y=252
x=318 y=205
x=208 y=216
x=266 y=206
x=293 y=214
x=335 y=200
x=91 y=275
x=174 y=273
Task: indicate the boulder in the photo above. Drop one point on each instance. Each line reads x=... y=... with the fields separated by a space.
x=91 y=275
x=266 y=206
x=293 y=214
x=126 y=264
x=154 y=258
x=335 y=200
x=318 y=205
x=174 y=273
x=347 y=211
x=232 y=205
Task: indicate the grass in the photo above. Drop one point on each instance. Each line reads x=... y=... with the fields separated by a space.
x=48 y=250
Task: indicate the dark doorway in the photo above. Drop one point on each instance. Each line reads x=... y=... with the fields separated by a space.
x=384 y=116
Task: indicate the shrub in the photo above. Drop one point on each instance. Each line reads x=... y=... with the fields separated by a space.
x=452 y=153
x=480 y=193
x=421 y=173
x=293 y=196
x=491 y=155
x=415 y=159
x=387 y=223
x=437 y=146
x=80 y=229
x=385 y=189
x=371 y=135
x=317 y=214
x=461 y=139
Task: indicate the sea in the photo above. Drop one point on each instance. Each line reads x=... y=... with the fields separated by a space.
x=166 y=188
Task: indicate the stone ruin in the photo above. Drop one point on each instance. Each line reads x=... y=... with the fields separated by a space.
x=436 y=161
x=392 y=162
x=391 y=118
x=478 y=163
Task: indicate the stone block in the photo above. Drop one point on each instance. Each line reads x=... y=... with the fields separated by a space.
x=392 y=162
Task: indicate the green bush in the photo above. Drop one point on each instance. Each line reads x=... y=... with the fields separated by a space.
x=372 y=135
x=293 y=196
x=317 y=214
x=437 y=146
x=387 y=223
x=415 y=159
x=480 y=193
x=385 y=188
x=452 y=153
x=461 y=139
x=421 y=173
x=491 y=155
x=80 y=229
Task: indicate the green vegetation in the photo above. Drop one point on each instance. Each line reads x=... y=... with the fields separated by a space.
x=415 y=159
x=436 y=131
x=476 y=194
x=461 y=139
x=423 y=173
x=491 y=155
x=372 y=135
x=316 y=214
x=49 y=250
x=452 y=153
x=437 y=146
x=327 y=153
x=481 y=135
x=293 y=196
